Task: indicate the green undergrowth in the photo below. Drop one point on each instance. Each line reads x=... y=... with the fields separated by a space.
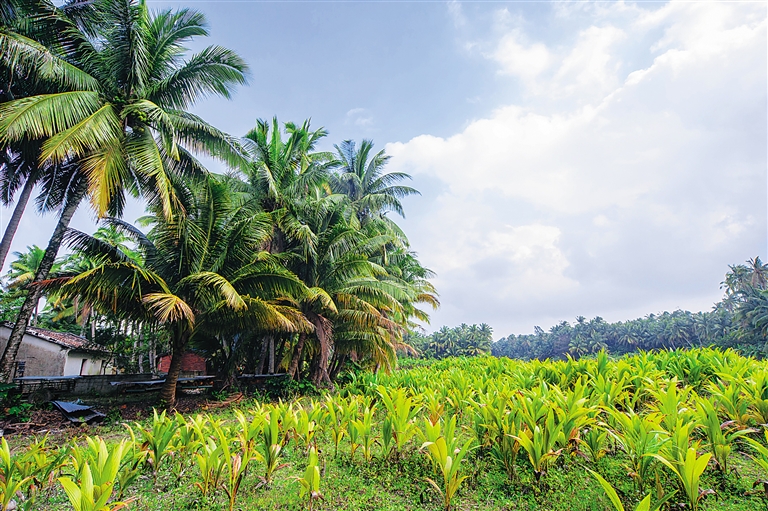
x=393 y=463
x=394 y=485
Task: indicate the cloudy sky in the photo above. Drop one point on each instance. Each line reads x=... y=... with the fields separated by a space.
x=574 y=158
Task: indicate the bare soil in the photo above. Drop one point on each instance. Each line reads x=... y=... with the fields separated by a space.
x=45 y=419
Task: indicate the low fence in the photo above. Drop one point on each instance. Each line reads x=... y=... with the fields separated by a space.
x=101 y=384
x=43 y=386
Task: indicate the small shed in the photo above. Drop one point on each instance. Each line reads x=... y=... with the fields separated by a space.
x=192 y=364
x=47 y=353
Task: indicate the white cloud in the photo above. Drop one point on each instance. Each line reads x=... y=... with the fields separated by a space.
x=592 y=65
x=515 y=57
x=456 y=14
x=359 y=117
x=587 y=68
x=631 y=172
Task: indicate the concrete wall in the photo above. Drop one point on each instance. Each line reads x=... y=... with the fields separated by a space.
x=85 y=385
x=42 y=358
x=100 y=384
x=93 y=365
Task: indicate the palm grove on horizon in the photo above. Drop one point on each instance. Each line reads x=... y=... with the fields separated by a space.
x=287 y=262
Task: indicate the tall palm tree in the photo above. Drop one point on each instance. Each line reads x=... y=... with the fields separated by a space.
x=759 y=278
x=349 y=305
x=18 y=168
x=283 y=172
x=361 y=177
x=120 y=116
x=203 y=274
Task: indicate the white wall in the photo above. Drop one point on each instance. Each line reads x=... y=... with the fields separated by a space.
x=93 y=365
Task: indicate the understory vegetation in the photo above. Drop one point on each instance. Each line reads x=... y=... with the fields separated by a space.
x=669 y=430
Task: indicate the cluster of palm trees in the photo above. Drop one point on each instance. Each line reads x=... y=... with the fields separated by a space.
x=287 y=262
x=739 y=320
x=585 y=337
x=461 y=341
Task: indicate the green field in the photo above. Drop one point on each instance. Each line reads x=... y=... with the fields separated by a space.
x=525 y=435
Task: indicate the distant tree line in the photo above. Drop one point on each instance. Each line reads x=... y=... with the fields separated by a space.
x=739 y=321
x=463 y=340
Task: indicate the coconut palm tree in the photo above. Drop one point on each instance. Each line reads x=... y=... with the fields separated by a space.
x=20 y=168
x=24 y=267
x=350 y=304
x=23 y=270
x=202 y=275
x=120 y=115
x=361 y=177
x=281 y=173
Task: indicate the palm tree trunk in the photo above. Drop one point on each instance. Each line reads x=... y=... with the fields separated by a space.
x=135 y=355
x=152 y=350
x=293 y=367
x=8 y=360
x=271 y=348
x=336 y=365
x=263 y=356
x=281 y=352
x=141 y=348
x=13 y=224
x=320 y=364
x=168 y=392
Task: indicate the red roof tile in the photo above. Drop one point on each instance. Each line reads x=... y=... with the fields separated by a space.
x=66 y=340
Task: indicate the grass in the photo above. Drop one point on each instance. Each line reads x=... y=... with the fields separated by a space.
x=399 y=485
x=469 y=391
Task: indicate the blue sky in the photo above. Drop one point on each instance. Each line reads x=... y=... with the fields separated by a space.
x=389 y=71
x=575 y=158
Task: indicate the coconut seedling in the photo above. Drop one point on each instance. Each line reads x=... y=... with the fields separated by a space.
x=643 y=505
x=157 y=439
x=309 y=483
x=399 y=424
x=639 y=437
x=12 y=481
x=270 y=445
x=689 y=474
x=364 y=431
x=92 y=489
x=446 y=453
x=721 y=437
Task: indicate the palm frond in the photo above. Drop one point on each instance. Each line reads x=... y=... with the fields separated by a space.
x=87 y=136
x=213 y=71
x=107 y=174
x=45 y=115
x=207 y=283
x=200 y=137
x=34 y=59
x=93 y=247
x=146 y=161
x=168 y=308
